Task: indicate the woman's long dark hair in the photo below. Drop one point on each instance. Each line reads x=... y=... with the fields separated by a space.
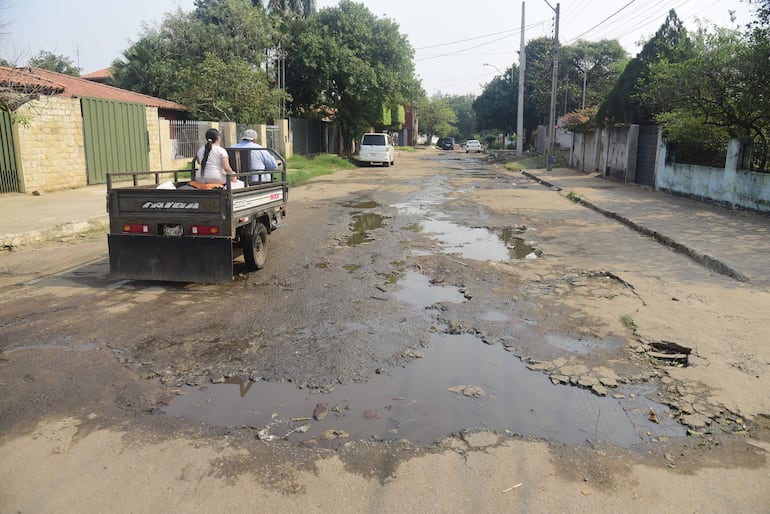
x=212 y=135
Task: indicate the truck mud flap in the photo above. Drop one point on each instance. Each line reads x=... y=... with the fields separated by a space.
x=175 y=259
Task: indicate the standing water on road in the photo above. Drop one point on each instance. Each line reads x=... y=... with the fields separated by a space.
x=458 y=383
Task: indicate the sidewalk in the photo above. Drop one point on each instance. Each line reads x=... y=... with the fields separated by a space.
x=735 y=243
x=26 y=219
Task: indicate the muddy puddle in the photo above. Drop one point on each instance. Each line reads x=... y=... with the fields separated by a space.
x=458 y=383
x=363 y=224
x=479 y=243
x=451 y=383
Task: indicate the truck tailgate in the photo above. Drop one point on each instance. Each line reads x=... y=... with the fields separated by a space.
x=175 y=259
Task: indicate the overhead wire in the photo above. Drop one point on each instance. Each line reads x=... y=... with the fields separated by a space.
x=509 y=34
x=605 y=19
x=650 y=14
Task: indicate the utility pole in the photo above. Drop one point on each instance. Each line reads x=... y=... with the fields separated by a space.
x=549 y=157
x=520 y=110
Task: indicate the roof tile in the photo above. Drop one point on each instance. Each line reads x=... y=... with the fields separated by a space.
x=67 y=85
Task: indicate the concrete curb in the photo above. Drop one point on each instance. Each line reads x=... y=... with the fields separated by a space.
x=699 y=257
x=11 y=241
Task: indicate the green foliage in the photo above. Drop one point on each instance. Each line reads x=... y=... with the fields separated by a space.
x=387 y=119
x=347 y=62
x=51 y=62
x=762 y=11
x=302 y=8
x=721 y=88
x=629 y=323
x=211 y=60
x=692 y=140
x=465 y=115
x=628 y=102
x=537 y=83
x=437 y=117
x=573 y=196
x=301 y=169
x=398 y=115
x=596 y=65
x=593 y=64
x=228 y=91
x=496 y=107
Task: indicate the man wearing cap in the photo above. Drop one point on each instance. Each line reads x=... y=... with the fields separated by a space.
x=258 y=161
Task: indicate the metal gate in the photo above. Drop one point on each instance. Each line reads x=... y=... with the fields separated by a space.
x=9 y=175
x=647 y=151
x=310 y=136
x=116 y=138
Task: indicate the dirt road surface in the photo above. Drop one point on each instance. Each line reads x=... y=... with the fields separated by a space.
x=437 y=336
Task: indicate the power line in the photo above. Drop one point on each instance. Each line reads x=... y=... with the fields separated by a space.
x=510 y=33
x=605 y=19
x=465 y=40
x=464 y=49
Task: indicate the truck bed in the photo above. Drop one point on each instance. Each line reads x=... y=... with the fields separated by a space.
x=186 y=235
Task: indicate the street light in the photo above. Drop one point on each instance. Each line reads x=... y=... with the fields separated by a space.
x=503 y=74
x=493 y=66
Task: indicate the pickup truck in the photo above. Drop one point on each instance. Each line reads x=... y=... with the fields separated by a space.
x=181 y=234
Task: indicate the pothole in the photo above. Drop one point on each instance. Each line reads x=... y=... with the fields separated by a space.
x=455 y=383
x=364 y=223
x=481 y=244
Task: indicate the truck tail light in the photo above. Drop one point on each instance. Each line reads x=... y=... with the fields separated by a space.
x=205 y=230
x=136 y=228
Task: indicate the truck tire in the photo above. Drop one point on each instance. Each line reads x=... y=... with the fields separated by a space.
x=255 y=248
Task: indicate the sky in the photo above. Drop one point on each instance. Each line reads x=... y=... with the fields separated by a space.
x=459 y=45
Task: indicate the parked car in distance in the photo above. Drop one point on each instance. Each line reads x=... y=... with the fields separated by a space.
x=473 y=145
x=448 y=143
x=439 y=142
x=376 y=148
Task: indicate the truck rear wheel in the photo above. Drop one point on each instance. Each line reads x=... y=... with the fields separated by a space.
x=255 y=248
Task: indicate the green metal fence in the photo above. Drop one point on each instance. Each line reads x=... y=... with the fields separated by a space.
x=116 y=138
x=9 y=174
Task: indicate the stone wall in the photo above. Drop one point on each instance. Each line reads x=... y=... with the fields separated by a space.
x=51 y=152
x=154 y=137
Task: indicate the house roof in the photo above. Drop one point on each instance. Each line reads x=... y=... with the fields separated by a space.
x=67 y=85
x=23 y=79
x=98 y=75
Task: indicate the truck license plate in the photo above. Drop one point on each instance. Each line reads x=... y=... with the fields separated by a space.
x=172 y=230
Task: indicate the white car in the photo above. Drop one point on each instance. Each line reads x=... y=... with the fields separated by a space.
x=473 y=145
x=376 y=148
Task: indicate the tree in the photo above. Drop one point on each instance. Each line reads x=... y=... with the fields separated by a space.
x=436 y=117
x=589 y=68
x=627 y=102
x=52 y=62
x=302 y=8
x=466 y=123
x=537 y=82
x=763 y=13
x=723 y=84
x=210 y=60
x=496 y=107
x=348 y=64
